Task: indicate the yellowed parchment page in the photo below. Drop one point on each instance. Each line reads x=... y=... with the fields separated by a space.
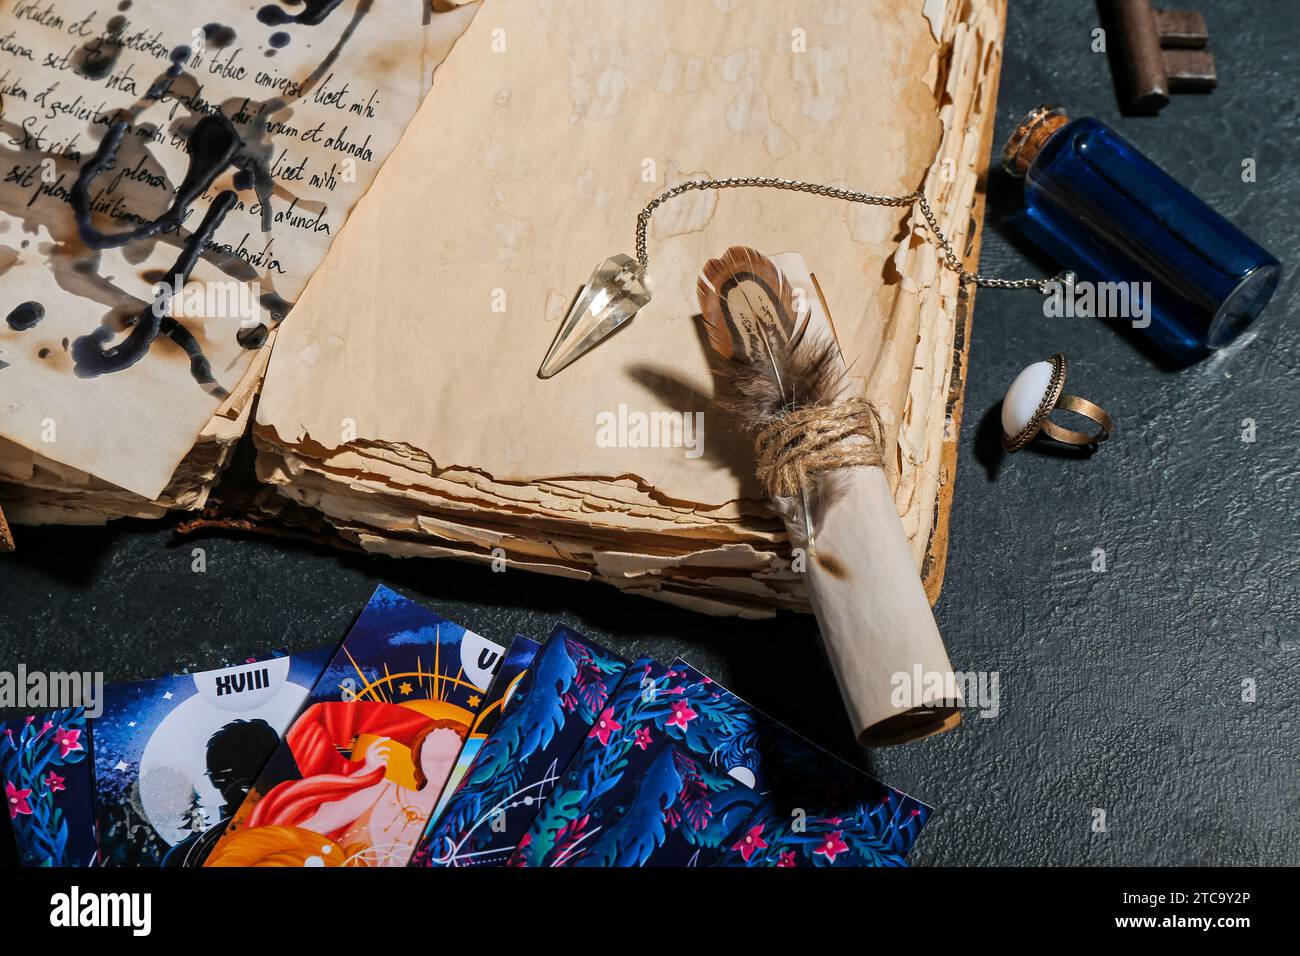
x=549 y=126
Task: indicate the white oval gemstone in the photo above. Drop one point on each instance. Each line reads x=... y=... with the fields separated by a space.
x=1024 y=396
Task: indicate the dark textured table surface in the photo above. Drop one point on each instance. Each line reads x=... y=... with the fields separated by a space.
x=1119 y=691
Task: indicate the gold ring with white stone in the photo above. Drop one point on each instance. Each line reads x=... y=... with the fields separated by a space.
x=1034 y=395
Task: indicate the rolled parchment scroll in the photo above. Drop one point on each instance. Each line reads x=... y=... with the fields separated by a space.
x=818 y=451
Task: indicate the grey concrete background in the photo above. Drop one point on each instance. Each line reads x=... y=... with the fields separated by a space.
x=1120 y=691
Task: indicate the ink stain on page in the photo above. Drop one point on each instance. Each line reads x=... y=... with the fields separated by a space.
x=95 y=60
x=212 y=145
x=314 y=11
x=25 y=316
x=218 y=35
x=91 y=354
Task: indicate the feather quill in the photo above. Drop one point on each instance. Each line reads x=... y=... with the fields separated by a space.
x=766 y=363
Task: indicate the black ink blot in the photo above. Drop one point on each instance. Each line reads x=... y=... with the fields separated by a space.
x=94 y=61
x=314 y=11
x=26 y=316
x=179 y=56
x=218 y=35
x=252 y=338
x=212 y=144
x=279 y=40
x=93 y=356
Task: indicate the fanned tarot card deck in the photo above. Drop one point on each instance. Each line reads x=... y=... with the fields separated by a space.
x=421 y=743
x=360 y=771
x=652 y=765
x=177 y=755
x=45 y=764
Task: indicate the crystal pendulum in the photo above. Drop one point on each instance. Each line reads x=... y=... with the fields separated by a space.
x=616 y=291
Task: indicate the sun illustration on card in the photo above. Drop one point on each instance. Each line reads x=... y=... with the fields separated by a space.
x=422 y=688
x=425 y=690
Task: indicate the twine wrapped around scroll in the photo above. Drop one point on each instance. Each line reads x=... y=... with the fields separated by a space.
x=814 y=439
x=819 y=451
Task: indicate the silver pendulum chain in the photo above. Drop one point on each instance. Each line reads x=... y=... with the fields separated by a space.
x=848 y=195
x=619 y=286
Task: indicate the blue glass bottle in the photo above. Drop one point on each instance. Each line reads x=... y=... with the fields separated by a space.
x=1110 y=215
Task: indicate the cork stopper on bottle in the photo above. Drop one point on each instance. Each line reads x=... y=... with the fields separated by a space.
x=1031 y=136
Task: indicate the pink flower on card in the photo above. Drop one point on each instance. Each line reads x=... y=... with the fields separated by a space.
x=751 y=842
x=786 y=859
x=682 y=714
x=643 y=737
x=17 y=800
x=68 y=741
x=832 y=846
x=54 y=782
x=604 y=726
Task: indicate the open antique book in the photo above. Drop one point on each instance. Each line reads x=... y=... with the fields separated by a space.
x=401 y=399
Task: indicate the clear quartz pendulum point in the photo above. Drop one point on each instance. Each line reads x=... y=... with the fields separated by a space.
x=617 y=289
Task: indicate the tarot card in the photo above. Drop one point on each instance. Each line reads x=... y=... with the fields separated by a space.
x=597 y=789
x=811 y=808
x=359 y=773
x=177 y=755
x=559 y=700
x=45 y=768
x=819 y=811
x=519 y=655
x=662 y=780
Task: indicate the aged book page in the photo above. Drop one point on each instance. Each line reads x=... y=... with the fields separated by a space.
x=315 y=96
x=403 y=401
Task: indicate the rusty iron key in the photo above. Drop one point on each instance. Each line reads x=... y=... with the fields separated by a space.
x=1163 y=52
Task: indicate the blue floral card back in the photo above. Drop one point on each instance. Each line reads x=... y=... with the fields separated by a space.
x=358 y=774
x=812 y=809
x=681 y=772
x=176 y=755
x=560 y=698
x=45 y=768
x=652 y=785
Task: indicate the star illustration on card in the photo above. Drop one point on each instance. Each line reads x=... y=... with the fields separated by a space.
x=121 y=765
x=475 y=700
x=168 y=696
x=405 y=688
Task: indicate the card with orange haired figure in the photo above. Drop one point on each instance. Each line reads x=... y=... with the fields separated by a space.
x=361 y=769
